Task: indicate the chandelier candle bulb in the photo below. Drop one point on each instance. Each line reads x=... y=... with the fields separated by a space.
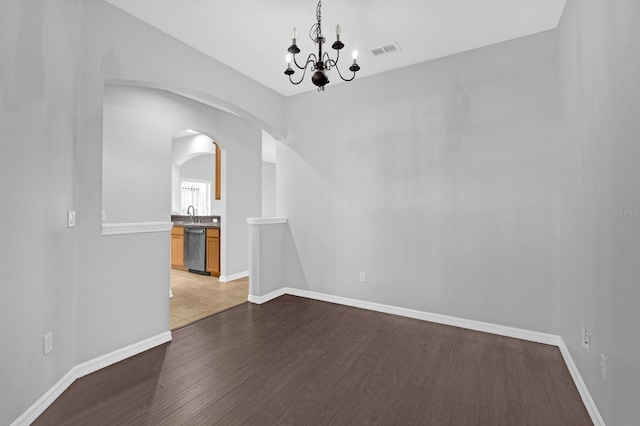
x=338 y=32
x=289 y=58
x=354 y=55
x=294 y=35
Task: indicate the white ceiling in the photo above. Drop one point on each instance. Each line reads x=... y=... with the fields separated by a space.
x=252 y=36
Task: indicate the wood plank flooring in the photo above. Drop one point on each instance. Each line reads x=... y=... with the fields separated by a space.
x=294 y=361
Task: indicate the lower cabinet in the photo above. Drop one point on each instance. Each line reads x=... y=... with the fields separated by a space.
x=213 y=251
x=177 y=248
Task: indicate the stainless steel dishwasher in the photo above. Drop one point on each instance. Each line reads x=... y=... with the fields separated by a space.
x=195 y=246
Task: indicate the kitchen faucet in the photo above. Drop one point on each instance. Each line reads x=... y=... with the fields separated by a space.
x=192 y=214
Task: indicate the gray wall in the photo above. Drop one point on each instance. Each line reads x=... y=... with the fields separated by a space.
x=267 y=259
x=55 y=57
x=599 y=100
x=268 y=189
x=137 y=130
x=202 y=167
x=438 y=180
x=39 y=113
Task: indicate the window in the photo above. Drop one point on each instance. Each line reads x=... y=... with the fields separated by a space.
x=197 y=194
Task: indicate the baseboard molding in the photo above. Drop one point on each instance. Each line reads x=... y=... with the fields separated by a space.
x=121 y=354
x=85 y=368
x=259 y=300
x=588 y=401
x=227 y=278
x=518 y=333
x=45 y=400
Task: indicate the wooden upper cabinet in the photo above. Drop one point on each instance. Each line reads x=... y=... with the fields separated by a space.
x=218 y=171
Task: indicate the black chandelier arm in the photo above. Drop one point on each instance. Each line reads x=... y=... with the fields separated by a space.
x=310 y=59
x=328 y=62
x=354 y=68
x=340 y=74
x=301 y=78
x=331 y=62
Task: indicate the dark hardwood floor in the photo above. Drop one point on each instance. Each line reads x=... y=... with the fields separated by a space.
x=294 y=361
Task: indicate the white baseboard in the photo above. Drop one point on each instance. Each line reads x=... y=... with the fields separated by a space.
x=85 y=368
x=589 y=403
x=518 y=333
x=227 y=278
x=259 y=300
x=45 y=400
x=121 y=354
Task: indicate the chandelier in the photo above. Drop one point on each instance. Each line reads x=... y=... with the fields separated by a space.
x=322 y=63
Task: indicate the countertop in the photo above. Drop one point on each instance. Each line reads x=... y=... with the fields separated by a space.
x=212 y=225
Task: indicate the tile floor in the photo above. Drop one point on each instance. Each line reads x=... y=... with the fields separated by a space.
x=198 y=296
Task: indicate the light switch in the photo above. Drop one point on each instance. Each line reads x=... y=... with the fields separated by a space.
x=71 y=219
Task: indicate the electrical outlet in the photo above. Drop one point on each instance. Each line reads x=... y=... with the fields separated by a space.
x=587 y=340
x=603 y=367
x=71 y=219
x=363 y=277
x=48 y=342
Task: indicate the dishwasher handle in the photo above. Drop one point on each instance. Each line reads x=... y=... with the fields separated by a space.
x=194 y=230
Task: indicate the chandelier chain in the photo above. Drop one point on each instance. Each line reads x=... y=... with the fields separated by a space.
x=315 y=33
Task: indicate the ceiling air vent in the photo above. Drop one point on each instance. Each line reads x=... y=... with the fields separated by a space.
x=387 y=48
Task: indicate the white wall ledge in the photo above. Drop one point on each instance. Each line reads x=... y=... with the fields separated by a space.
x=135 y=228
x=266 y=220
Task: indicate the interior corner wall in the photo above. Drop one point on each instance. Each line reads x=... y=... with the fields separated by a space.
x=438 y=180
x=599 y=88
x=40 y=44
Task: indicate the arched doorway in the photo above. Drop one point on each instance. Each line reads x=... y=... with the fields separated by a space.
x=197 y=197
